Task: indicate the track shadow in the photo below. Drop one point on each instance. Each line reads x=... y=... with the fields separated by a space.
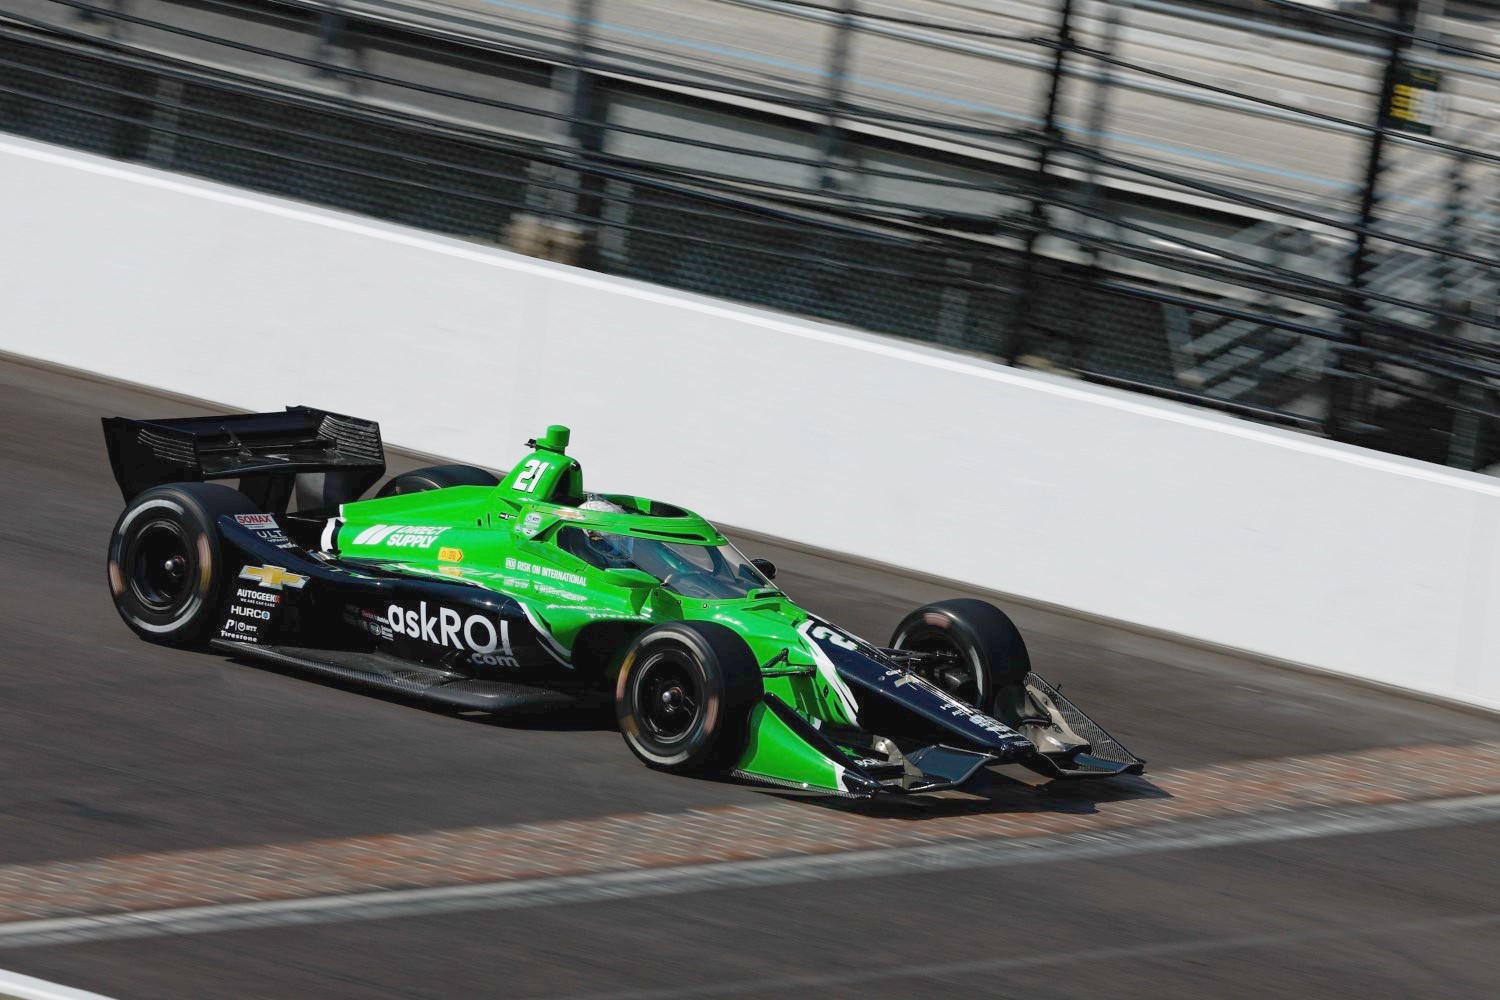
x=984 y=795
x=992 y=795
x=590 y=714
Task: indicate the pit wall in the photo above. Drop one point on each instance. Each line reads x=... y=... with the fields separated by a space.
x=1111 y=504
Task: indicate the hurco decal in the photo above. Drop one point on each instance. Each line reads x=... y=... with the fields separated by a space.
x=273 y=577
x=475 y=634
x=399 y=536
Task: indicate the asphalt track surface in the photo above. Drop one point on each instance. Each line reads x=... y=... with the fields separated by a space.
x=111 y=747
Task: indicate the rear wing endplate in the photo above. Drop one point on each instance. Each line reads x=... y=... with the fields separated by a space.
x=333 y=454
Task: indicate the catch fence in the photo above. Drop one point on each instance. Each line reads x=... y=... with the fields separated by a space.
x=1305 y=233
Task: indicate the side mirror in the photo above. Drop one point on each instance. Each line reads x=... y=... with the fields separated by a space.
x=767 y=568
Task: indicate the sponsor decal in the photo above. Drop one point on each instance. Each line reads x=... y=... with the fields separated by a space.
x=256 y=596
x=273 y=577
x=494 y=660
x=399 y=536
x=249 y=611
x=551 y=591
x=265 y=527
x=240 y=630
x=446 y=627
x=369 y=621
x=531 y=524
x=569 y=514
x=954 y=707
x=536 y=569
x=450 y=555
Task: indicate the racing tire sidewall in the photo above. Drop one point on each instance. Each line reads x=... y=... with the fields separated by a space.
x=984 y=636
x=727 y=680
x=435 y=477
x=183 y=516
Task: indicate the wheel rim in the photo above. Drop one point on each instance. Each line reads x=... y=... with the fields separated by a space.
x=668 y=697
x=160 y=566
x=954 y=670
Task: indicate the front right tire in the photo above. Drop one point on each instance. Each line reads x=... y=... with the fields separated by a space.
x=979 y=649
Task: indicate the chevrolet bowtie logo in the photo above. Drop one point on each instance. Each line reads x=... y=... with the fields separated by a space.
x=273 y=577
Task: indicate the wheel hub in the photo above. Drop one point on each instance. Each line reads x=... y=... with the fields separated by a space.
x=668 y=695
x=159 y=566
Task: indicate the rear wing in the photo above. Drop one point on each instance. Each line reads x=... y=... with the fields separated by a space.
x=328 y=456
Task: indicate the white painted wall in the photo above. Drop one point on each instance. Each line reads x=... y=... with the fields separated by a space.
x=1112 y=504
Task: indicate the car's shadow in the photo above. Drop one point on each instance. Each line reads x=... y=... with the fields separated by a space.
x=593 y=713
x=994 y=795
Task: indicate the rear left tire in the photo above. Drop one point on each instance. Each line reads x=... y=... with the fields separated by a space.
x=168 y=566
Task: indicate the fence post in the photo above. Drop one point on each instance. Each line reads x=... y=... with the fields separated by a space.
x=1104 y=81
x=1464 y=445
x=586 y=113
x=1026 y=308
x=838 y=76
x=1349 y=395
x=330 y=30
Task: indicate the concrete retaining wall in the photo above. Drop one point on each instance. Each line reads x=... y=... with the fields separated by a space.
x=1108 y=503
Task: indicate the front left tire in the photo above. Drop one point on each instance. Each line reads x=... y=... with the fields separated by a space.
x=684 y=696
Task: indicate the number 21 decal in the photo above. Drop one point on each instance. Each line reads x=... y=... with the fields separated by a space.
x=531 y=474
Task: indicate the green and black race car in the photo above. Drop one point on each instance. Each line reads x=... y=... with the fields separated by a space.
x=530 y=594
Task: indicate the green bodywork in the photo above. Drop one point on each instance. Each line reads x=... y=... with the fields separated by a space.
x=505 y=538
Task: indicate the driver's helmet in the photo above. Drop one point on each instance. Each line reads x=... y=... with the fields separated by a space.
x=595 y=502
x=610 y=549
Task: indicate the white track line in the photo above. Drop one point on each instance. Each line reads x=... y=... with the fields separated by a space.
x=1343 y=821
x=14 y=986
x=990 y=966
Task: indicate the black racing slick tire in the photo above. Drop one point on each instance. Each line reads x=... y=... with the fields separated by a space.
x=684 y=696
x=436 y=477
x=168 y=566
x=984 y=653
